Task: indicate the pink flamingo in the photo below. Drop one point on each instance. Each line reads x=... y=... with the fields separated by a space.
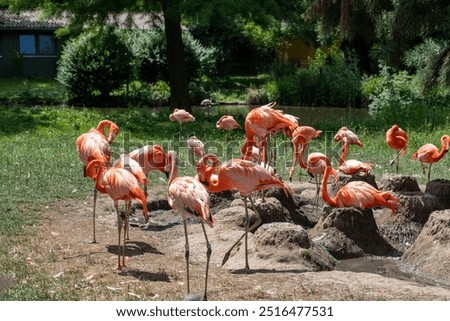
x=227 y=123
x=92 y=145
x=397 y=139
x=429 y=154
x=119 y=184
x=302 y=135
x=356 y=193
x=189 y=197
x=237 y=174
x=181 y=116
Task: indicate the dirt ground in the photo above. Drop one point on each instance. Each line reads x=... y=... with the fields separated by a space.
x=156 y=264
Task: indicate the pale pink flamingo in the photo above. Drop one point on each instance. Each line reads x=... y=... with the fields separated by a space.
x=227 y=123
x=346 y=137
x=181 y=116
x=189 y=197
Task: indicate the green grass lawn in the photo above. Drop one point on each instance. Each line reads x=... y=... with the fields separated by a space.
x=41 y=166
x=22 y=90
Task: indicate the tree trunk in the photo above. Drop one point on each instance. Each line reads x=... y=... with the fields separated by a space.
x=179 y=93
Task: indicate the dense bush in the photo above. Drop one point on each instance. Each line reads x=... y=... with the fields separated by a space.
x=150 y=60
x=396 y=97
x=332 y=79
x=94 y=63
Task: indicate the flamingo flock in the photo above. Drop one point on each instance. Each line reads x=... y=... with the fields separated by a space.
x=126 y=179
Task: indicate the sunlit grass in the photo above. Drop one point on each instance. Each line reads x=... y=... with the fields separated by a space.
x=40 y=166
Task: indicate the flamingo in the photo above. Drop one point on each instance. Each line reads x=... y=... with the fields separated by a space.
x=430 y=154
x=249 y=151
x=150 y=158
x=196 y=146
x=397 y=139
x=227 y=123
x=92 y=145
x=263 y=121
x=181 y=116
x=356 y=193
x=189 y=197
x=346 y=137
x=352 y=166
x=119 y=184
x=302 y=135
x=316 y=169
x=237 y=174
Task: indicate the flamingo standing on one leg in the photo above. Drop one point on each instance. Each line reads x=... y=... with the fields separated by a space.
x=227 y=123
x=356 y=193
x=397 y=139
x=430 y=154
x=92 y=145
x=181 y=116
x=119 y=184
x=302 y=135
x=190 y=198
x=237 y=174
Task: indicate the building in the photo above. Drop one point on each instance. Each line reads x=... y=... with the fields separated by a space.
x=28 y=46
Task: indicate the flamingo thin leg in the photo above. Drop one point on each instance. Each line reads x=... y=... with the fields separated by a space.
x=208 y=255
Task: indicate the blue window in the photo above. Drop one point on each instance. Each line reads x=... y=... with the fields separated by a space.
x=37 y=44
x=27 y=45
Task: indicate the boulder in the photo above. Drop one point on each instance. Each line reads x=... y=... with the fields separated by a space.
x=441 y=189
x=398 y=183
x=349 y=232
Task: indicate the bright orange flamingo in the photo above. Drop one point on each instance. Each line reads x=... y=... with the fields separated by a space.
x=92 y=145
x=397 y=139
x=237 y=174
x=181 y=116
x=346 y=137
x=356 y=193
x=429 y=154
x=119 y=184
x=189 y=197
x=227 y=123
x=263 y=121
x=302 y=135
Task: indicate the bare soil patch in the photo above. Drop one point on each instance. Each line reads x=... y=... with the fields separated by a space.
x=156 y=264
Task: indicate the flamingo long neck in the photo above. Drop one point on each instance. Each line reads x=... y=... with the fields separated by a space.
x=102 y=125
x=442 y=152
x=98 y=180
x=301 y=156
x=344 y=154
x=173 y=168
x=213 y=185
x=325 y=195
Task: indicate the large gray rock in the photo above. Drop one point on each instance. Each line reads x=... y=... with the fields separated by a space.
x=398 y=183
x=430 y=253
x=349 y=232
x=441 y=189
x=402 y=229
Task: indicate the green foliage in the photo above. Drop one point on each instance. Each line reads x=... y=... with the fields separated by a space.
x=431 y=59
x=149 y=49
x=94 y=63
x=397 y=98
x=144 y=94
x=332 y=79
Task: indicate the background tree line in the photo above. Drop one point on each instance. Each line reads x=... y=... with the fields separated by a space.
x=372 y=52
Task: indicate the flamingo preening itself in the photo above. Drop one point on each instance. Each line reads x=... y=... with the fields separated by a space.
x=237 y=174
x=227 y=123
x=96 y=144
x=189 y=197
x=181 y=116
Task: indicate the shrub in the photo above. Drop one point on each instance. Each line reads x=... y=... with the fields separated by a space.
x=150 y=60
x=332 y=79
x=94 y=63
